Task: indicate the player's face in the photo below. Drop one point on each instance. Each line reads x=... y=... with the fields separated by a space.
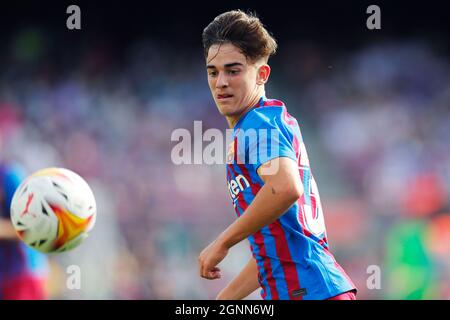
x=233 y=80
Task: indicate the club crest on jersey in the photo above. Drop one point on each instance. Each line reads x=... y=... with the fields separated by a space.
x=230 y=152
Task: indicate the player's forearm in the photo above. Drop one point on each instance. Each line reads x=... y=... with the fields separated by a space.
x=243 y=284
x=7 y=231
x=269 y=204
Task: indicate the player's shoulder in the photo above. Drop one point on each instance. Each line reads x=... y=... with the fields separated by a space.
x=269 y=114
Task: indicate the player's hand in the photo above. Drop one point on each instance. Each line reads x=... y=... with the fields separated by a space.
x=209 y=258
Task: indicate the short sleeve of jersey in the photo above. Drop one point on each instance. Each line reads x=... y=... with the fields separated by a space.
x=11 y=179
x=263 y=136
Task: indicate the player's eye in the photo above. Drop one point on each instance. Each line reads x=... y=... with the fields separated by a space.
x=233 y=72
x=212 y=73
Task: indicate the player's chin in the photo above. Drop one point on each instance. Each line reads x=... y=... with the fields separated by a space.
x=225 y=106
x=227 y=110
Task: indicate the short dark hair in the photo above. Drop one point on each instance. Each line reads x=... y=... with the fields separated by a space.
x=243 y=30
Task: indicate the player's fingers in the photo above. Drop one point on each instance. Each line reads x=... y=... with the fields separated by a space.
x=214 y=271
x=211 y=273
x=203 y=273
x=215 y=275
x=203 y=270
x=206 y=271
x=200 y=266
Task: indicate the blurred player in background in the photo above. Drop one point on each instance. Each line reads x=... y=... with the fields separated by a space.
x=269 y=178
x=22 y=269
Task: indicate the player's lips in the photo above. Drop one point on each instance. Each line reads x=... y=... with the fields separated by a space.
x=222 y=97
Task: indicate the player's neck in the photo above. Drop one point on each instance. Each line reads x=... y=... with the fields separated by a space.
x=233 y=120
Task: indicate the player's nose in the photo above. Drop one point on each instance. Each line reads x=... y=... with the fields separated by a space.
x=222 y=80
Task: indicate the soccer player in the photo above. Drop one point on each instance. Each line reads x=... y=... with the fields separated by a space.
x=22 y=269
x=269 y=177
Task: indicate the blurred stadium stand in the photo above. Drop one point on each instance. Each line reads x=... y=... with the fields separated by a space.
x=374 y=111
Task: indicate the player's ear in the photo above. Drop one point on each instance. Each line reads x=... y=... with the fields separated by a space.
x=263 y=74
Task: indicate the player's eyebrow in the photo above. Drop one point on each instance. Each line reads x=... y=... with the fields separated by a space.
x=228 y=65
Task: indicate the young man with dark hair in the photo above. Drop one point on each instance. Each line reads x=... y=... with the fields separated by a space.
x=269 y=178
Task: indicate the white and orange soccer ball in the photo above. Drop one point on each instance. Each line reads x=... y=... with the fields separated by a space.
x=53 y=210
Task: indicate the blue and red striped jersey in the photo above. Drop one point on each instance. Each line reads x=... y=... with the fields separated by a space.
x=16 y=258
x=292 y=253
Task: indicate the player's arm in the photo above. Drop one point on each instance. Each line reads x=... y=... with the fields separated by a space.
x=243 y=284
x=7 y=231
x=8 y=186
x=281 y=190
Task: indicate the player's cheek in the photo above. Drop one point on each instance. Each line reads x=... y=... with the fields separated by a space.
x=211 y=84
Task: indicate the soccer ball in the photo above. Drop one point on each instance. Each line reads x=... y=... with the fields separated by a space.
x=53 y=210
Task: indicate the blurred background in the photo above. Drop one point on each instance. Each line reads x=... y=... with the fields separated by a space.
x=374 y=110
